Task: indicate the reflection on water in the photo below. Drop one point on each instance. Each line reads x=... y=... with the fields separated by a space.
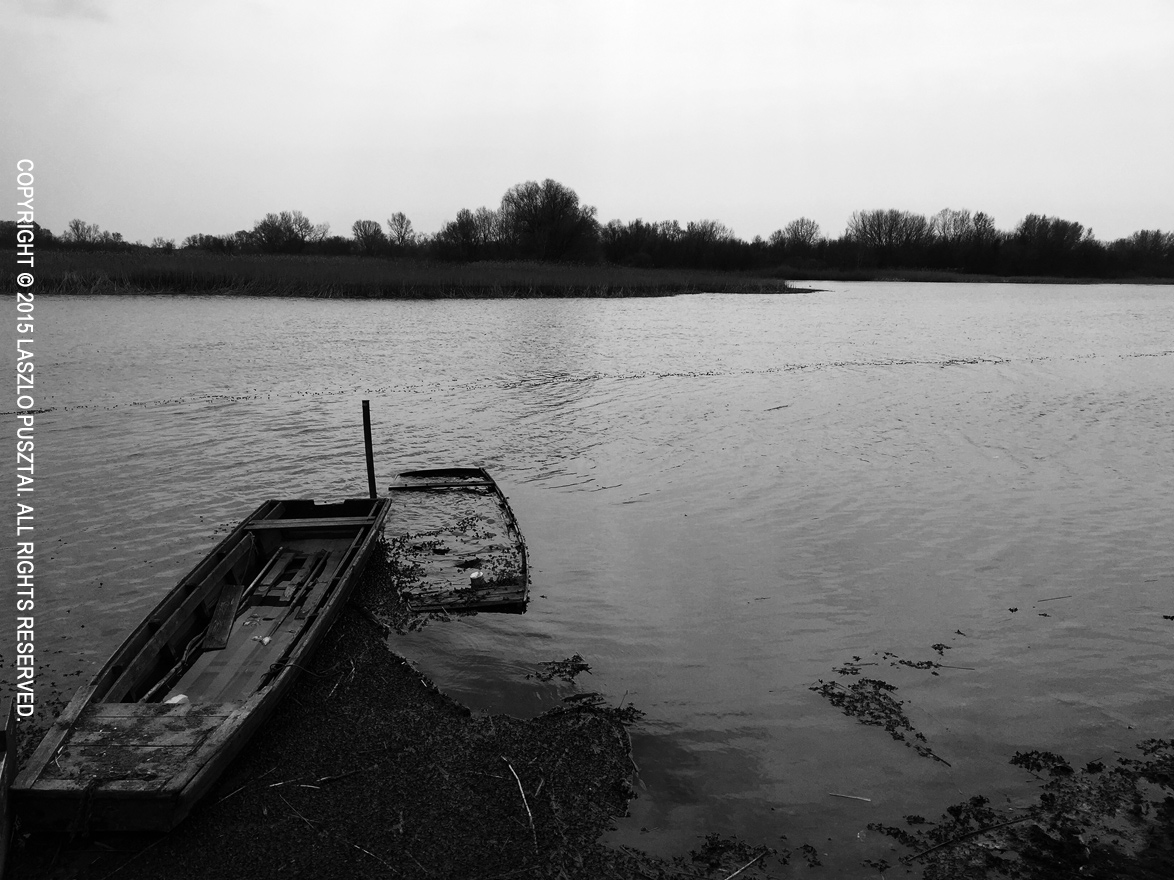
x=725 y=498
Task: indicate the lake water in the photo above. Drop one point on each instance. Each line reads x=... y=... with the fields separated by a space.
x=725 y=497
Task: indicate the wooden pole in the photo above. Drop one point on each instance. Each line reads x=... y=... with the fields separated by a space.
x=367 y=444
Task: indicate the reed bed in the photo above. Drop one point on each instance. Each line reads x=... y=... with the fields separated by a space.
x=63 y=272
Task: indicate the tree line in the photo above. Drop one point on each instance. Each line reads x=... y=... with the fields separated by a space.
x=547 y=222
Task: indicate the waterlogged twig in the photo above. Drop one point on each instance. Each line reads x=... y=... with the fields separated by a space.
x=963 y=837
x=747 y=865
x=246 y=785
x=525 y=803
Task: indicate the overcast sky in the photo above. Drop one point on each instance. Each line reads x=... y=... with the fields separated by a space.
x=165 y=118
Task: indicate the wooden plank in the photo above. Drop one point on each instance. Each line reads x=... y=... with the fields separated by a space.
x=216 y=636
x=314 y=599
x=149 y=653
x=323 y=522
x=302 y=576
x=408 y=487
x=115 y=710
x=279 y=568
x=53 y=739
x=224 y=616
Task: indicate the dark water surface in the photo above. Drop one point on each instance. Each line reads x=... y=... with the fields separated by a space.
x=725 y=497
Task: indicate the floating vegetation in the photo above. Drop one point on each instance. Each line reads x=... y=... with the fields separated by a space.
x=380 y=592
x=1094 y=822
x=564 y=669
x=870 y=701
x=810 y=855
x=595 y=703
x=1037 y=762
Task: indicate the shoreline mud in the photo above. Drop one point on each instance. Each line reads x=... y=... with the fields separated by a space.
x=368 y=770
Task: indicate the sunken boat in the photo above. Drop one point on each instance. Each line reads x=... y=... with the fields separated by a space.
x=456 y=542
x=139 y=745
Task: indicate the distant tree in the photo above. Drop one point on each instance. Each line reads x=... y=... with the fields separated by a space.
x=82 y=233
x=708 y=244
x=487 y=224
x=399 y=230
x=952 y=227
x=473 y=235
x=215 y=244
x=708 y=231
x=287 y=232
x=544 y=221
x=798 y=239
x=332 y=246
x=803 y=233
x=982 y=250
x=983 y=229
x=368 y=236
x=457 y=239
x=891 y=237
x=1148 y=252
x=635 y=243
x=1050 y=246
x=167 y=245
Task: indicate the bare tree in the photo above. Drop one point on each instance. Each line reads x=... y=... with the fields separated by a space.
x=890 y=235
x=287 y=232
x=81 y=232
x=708 y=231
x=400 y=230
x=369 y=237
x=952 y=227
x=545 y=220
x=488 y=226
x=802 y=234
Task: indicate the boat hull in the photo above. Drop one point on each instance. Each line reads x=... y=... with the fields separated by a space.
x=139 y=746
x=453 y=532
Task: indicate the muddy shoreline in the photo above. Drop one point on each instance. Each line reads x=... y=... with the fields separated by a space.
x=367 y=770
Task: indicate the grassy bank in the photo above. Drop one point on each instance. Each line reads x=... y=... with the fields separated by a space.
x=74 y=272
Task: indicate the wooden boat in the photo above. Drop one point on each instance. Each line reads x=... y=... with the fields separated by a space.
x=138 y=746
x=7 y=772
x=453 y=532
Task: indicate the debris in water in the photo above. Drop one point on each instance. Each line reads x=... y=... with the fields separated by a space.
x=1095 y=822
x=565 y=669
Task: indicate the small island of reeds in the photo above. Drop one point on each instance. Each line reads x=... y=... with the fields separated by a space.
x=200 y=273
